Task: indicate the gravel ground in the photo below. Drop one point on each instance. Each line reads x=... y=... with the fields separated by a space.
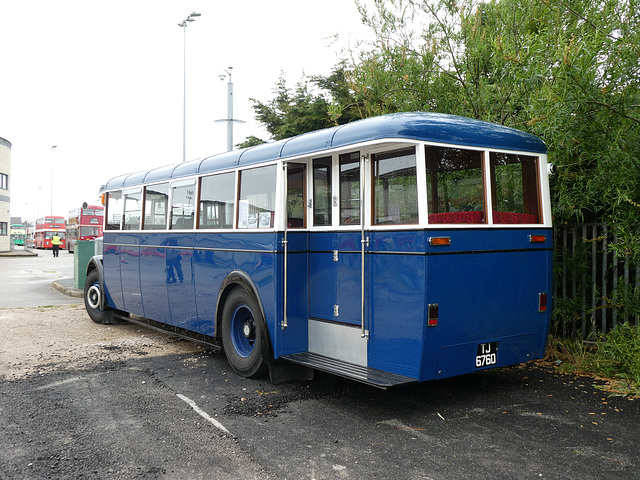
x=81 y=400
x=42 y=340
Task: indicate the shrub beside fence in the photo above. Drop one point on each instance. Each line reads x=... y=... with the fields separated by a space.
x=595 y=288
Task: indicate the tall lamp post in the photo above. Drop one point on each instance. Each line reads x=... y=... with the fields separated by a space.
x=190 y=18
x=51 y=164
x=229 y=120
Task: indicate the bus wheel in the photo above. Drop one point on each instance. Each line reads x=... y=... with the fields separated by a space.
x=92 y=299
x=242 y=334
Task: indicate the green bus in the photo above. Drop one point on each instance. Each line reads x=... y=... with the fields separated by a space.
x=18 y=234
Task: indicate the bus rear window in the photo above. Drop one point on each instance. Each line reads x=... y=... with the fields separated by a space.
x=514 y=188
x=455 y=187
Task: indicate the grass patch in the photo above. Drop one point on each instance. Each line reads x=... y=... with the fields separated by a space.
x=614 y=359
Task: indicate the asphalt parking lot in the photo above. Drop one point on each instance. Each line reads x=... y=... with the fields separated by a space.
x=80 y=400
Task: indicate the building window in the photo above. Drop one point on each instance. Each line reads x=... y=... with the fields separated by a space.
x=3 y=229
x=4 y=181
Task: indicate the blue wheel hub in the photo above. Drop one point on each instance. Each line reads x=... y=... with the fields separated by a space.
x=243 y=331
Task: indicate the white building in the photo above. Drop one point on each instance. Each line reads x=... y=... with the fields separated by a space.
x=5 y=177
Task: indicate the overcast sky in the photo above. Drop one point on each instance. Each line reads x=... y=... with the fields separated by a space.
x=103 y=82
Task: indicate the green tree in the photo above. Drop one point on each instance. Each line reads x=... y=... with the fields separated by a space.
x=566 y=71
x=315 y=103
x=250 y=141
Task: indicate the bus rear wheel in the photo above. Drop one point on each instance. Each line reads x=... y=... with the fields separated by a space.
x=93 y=300
x=242 y=334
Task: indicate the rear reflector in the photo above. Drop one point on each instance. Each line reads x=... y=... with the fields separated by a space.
x=439 y=241
x=542 y=302
x=537 y=238
x=432 y=316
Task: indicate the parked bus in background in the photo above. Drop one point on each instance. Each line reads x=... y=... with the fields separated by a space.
x=18 y=234
x=84 y=223
x=391 y=250
x=46 y=227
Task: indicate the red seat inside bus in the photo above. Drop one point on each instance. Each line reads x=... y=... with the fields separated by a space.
x=511 y=217
x=477 y=217
x=457 y=217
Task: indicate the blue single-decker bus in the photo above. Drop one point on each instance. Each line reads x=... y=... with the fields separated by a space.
x=396 y=249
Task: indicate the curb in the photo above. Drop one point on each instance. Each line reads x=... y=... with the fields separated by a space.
x=71 y=292
x=18 y=254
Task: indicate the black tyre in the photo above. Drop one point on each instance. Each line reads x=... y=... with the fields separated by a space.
x=92 y=300
x=242 y=334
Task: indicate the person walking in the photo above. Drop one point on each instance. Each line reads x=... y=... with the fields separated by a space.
x=55 y=244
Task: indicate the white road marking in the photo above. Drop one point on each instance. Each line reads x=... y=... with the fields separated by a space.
x=203 y=414
x=65 y=381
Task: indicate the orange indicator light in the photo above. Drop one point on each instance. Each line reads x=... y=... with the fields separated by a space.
x=439 y=241
x=537 y=238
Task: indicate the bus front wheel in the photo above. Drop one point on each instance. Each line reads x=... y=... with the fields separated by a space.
x=93 y=300
x=242 y=334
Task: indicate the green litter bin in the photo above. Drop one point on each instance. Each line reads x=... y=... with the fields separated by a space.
x=83 y=250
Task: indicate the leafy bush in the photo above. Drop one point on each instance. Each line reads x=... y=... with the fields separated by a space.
x=622 y=348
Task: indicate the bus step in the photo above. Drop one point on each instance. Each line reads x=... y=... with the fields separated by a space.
x=369 y=376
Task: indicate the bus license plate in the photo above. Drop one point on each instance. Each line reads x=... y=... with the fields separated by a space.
x=487 y=354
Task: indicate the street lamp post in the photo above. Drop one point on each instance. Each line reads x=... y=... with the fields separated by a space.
x=190 y=18
x=51 y=164
x=229 y=120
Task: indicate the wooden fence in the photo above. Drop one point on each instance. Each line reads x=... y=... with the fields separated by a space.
x=594 y=288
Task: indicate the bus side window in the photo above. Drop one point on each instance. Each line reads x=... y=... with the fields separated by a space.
x=395 y=189
x=296 y=196
x=256 y=205
x=183 y=205
x=217 y=201
x=514 y=188
x=350 y=188
x=132 y=210
x=322 y=191
x=455 y=186
x=156 y=206
x=114 y=211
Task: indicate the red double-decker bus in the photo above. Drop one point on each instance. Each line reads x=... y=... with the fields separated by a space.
x=84 y=223
x=46 y=228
